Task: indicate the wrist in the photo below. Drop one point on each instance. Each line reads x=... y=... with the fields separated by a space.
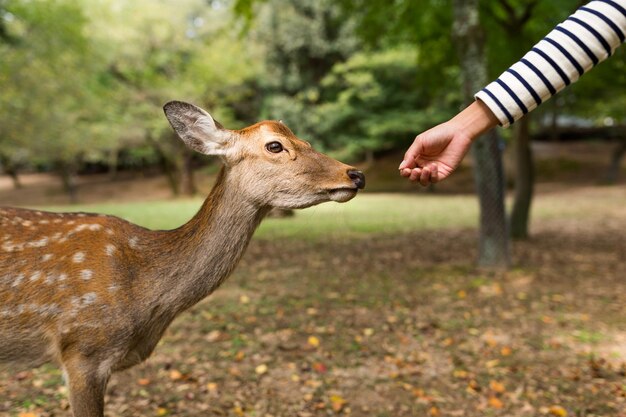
x=475 y=120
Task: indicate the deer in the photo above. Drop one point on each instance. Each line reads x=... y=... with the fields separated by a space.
x=95 y=293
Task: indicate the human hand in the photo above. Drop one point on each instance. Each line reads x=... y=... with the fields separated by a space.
x=436 y=153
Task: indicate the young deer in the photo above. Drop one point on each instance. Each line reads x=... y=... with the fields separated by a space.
x=96 y=293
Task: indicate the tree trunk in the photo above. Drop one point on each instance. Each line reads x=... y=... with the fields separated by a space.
x=487 y=152
x=168 y=166
x=114 y=156
x=188 y=182
x=15 y=178
x=68 y=178
x=524 y=180
x=612 y=174
x=11 y=170
x=554 y=119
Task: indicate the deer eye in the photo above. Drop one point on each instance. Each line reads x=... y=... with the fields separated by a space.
x=274 y=147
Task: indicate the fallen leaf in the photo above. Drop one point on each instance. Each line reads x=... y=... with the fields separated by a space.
x=461 y=294
x=28 y=415
x=497 y=386
x=175 y=375
x=337 y=402
x=244 y=299
x=557 y=410
x=492 y=363
x=261 y=369
x=434 y=411
x=506 y=351
x=459 y=373
x=495 y=402
x=313 y=341
x=447 y=342
x=211 y=386
x=143 y=381
x=319 y=367
x=368 y=332
x=162 y=411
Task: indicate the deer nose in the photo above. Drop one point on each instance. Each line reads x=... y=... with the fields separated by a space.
x=357 y=178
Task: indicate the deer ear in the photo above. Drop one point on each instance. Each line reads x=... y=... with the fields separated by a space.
x=197 y=128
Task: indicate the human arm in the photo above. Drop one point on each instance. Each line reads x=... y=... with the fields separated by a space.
x=437 y=152
x=582 y=41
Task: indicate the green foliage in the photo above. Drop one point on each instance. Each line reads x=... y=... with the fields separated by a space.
x=371 y=102
x=85 y=80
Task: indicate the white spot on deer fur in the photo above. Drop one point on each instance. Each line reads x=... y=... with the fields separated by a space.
x=38 y=243
x=51 y=309
x=47 y=257
x=109 y=232
x=18 y=280
x=81 y=227
x=133 y=242
x=57 y=236
x=110 y=249
x=113 y=287
x=27 y=223
x=35 y=276
x=86 y=274
x=81 y=215
x=7 y=246
x=83 y=301
x=57 y=221
x=78 y=257
x=71 y=222
x=95 y=227
x=38 y=213
x=62 y=277
x=44 y=222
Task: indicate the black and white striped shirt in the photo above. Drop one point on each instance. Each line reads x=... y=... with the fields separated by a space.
x=585 y=39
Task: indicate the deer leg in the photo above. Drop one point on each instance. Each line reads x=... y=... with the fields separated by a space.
x=87 y=383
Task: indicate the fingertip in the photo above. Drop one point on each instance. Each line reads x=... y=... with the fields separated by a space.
x=425 y=176
x=434 y=174
x=415 y=174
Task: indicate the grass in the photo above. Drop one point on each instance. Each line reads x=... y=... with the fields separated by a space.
x=373 y=213
x=368 y=213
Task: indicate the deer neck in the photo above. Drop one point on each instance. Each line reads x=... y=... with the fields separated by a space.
x=196 y=258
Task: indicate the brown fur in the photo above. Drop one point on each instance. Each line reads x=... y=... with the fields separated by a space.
x=95 y=293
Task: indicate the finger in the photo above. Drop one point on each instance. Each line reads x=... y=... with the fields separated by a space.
x=412 y=154
x=405 y=172
x=425 y=177
x=434 y=173
x=415 y=174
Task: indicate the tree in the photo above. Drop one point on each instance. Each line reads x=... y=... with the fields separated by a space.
x=488 y=172
x=48 y=95
x=177 y=50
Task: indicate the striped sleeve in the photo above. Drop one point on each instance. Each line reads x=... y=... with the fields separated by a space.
x=585 y=39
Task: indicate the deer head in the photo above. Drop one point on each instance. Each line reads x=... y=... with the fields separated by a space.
x=272 y=166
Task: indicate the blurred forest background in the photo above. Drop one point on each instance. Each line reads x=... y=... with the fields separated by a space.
x=82 y=85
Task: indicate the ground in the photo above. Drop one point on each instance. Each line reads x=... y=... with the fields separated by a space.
x=376 y=308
